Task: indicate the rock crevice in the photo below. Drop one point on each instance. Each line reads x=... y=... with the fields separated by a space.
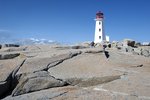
x=10 y=83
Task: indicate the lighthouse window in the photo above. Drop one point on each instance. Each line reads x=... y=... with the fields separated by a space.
x=99 y=37
x=99 y=30
x=99 y=23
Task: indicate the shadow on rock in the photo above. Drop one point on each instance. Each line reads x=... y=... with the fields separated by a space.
x=8 y=56
x=91 y=81
x=106 y=54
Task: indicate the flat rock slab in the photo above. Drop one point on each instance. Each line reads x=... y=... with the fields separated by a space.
x=43 y=94
x=124 y=59
x=87 y=82
x=7 y=66
x=38 y=64
x=31 y=82
x=132 y=84
x=74 y=93
x=86 y=65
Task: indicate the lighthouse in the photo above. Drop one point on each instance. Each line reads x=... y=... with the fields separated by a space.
x=99 y=29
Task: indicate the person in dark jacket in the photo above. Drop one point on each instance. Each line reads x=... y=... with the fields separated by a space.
x=104 y=46
x=92 y=44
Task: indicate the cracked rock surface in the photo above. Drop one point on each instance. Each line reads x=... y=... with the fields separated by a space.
x=51 y=72
x=31 y=82
x=7 y=67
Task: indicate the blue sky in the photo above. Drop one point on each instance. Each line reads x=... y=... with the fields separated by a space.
x=72 y=21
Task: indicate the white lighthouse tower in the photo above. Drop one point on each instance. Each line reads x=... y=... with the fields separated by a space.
x=99 y=28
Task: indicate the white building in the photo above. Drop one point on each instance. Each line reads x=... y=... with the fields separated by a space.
x=100 y=36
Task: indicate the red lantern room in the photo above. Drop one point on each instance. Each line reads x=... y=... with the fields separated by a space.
x=99 y=14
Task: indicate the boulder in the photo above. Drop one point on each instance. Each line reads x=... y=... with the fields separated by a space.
x=135 y=53
x=137 y=44
x=138 y=50
x=145 y=53
x=128 y=42
x=128 y=49
x=85 y=44
x=8 y=55
x=97 y=45
x=31 y=82
x=119 y=44
x=114 y=44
